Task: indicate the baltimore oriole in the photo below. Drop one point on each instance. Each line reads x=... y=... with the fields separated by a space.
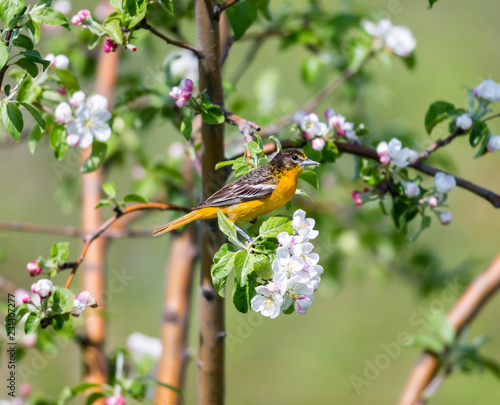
x=257 y=193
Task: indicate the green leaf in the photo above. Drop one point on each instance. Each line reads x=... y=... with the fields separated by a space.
x=242 y=170
x=35 y=56
x=263 y=6
x=35 y=114
x=103 y=203
x=312 y=68
x=34 y=29
x=271 y=227
x=117 y=5
x=12 y=120
x=66 y=299
x=113 y=28
x=168 y=5
x=34 y=138
x=135 y=198
x=426 y=222
x=58 y=142
x=4 y=53
x=212 y=114
x=28 y=91
x=243 y=266
x=428 y=342
x=479 y=130
x=137 y=12
x=240 y=297
x=310 y=177
x=9 y=8
x=437 y=112
x=225 y=163
x=32 y=322
x=68 y=80
x=279 y=148
x=96 y=157
x=187 y=126
x=262 y=267
x=431 y=3
x=28 y=65
x=241 y=16
x=109 y=189
x=302 y=193
x=48 y=16
x=59 y=252
x=70 y=392
x=221 y=270
x=228 y=228
x=330 y=152
x=22 y=41
x=410 y=61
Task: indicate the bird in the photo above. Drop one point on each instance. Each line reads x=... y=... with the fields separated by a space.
x=257 y=193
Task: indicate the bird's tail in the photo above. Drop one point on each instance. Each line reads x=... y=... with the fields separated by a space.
x=186 y=219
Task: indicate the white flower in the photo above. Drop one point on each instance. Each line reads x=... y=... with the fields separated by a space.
x=445 y=217
x=87 y=299
x=267 y=301
x=144 y=346
x=286 y=240
x=286 y=266
x=63 y=113
x=312 y=127
x=77 y=99
x=299 y=294
x=378 y=30
x=487 y=90
x=493 y=143
x=318 y=144
x=413 y=156
x=394 y=152
x=42 y=287
x=444 y=182
x=64 y=6
x=464 y=122
x=411 y=189
x=433 y=202
x=304 y=226
x=183 y=63
x=384 y=153
x=299 y=116
x=304 y=251
x=176 y=150
x=90 y=122
x=78 y=308
x=61 y=62
x=51 y=58
x=400 y=40
x=341 y=126
x=97 y=102
x=73 y=140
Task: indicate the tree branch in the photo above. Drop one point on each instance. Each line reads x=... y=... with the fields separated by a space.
x=438 y=144
x=6 y=66
x=463 y=312
x=246 y=127
x=358 y=150
x=224 y=6
x=88 y=239
x=143 y=24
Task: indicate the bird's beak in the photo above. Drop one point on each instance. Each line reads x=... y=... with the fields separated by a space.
x=309 y=162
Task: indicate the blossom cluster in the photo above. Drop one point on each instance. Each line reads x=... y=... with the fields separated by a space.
x=397 y=39
x=84 y=119
x=395 y=153
x=58 y=61
x=296 y=273
x=488 y=92
x=182 y=93
x=316 y=131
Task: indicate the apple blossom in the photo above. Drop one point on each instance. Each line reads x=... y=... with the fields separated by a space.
x=318 y=144
x=299 y=116
x=445 y=217
x=493 y=143
x=379 y=29
x=487 y=90
x=34 y=268
x=61 y=62
x=401 y=41
x=329 y=113
x=114 y=400
x=131 y=47
x=182 y=93
x=356 y=197
x=444 y=182
x=304 y=226
x=43 y=287
x=81 y=17
x=182 y=63
x=176 y=150
x=433 y=202
x=143 y=346
x=286 y=240
x=463 y=122
x=299 y=294
x=63 y=113
x=411 y=189
x=267 y=301
x=64 y=6
x=26 y=298
x=77 y=99
x=312 y=127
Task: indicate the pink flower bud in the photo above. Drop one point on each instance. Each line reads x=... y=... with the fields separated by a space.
x=25 y=390
x=83 y=14
x=107 y=48
x=357 y=199
x=385 y=159
x=181 y=102
x=433 y=202
x=33 y=288
x=340 y=132
x=445 y=217
x=76 y=20
x=131 y=47
x=114 y=400
x=309 y=135
x=62 y=91
x=187 y=85
x=86 y=298
x=73 y=140
x=28 y=340
x=318 y=144
x=51 y=58
x=77 y=99
x=329 y=113
x=26 y=298
x=34 y=268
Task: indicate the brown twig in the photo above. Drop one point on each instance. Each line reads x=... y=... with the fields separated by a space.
x=6 y=66
x=211 y=307
x=227 y=47
x=246 y=127
x=358 y=150
x=463 y=312
x=175 y=320
x=224 y=6
x=143 y=24
x=313 y=102
x=72 y=231
x=89 y=238
x=438 y=144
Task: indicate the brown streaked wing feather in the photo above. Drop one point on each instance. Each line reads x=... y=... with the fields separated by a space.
x=259 y=183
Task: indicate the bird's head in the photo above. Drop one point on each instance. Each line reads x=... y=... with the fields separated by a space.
x=291 y=158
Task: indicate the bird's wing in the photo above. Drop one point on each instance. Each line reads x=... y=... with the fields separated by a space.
x=254 y=185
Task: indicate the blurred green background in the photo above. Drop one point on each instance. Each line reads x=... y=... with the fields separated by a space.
x=313 y=358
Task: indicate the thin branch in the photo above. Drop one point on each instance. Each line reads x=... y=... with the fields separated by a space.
x=246 y=127
x=438 y=144
x=479 y=292
x=224 y=6
x=227 y=47
x=88 y=239
x=315 y=101
x=491 y=117
x=72 y=231
x=143 y=24
x=358 y=150
x=6 y=66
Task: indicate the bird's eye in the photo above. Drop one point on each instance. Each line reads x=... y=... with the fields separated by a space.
x=295 y=157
